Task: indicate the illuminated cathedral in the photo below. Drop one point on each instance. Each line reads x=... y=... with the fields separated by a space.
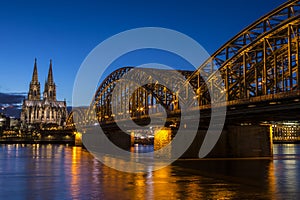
x=45 y=110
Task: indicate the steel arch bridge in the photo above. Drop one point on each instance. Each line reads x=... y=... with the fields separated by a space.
x=150 y=98
x=260 y=63
x=76 y=117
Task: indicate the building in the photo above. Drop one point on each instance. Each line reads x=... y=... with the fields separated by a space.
x=3 y=122
x=14 y=123
x=287 y=131
x=46 y=110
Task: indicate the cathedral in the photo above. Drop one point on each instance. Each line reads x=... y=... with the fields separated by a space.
x=46 y=110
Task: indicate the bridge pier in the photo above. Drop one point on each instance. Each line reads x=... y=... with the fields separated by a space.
x=120 y=139
x=162 y=137
x=78 y=139
x=236 y=142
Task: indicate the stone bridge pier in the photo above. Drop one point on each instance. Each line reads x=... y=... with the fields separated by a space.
x=235 y=142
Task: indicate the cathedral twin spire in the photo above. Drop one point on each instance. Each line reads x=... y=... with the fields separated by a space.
x=50 y=75
x=35 y=73
x=34 y=88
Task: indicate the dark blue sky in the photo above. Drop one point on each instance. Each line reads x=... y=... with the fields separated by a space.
x=66 y=31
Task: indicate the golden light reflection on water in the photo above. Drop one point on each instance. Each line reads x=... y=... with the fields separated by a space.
x=75 y=179
x=166 y=183
x=60 y=172
x=164 y=186
x=151 y=185
x=272 y=178
x=223 y=194
x=117 y=184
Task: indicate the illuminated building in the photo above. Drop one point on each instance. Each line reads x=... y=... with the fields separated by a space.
x=46 y=110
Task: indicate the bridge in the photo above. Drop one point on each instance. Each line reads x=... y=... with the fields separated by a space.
x=255 y=76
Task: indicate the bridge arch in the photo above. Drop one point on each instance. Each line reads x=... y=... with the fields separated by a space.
x=260 y=61
x=152 y=97
x=249 y=60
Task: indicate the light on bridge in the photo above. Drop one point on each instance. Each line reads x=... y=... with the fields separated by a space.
x=273 y=103
x=251 y=106
x=195 y=97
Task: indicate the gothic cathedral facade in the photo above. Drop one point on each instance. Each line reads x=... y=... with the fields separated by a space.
x=45 y=110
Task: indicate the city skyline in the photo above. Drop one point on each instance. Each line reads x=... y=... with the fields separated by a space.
x=67 y=31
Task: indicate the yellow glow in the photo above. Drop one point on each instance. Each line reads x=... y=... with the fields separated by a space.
x=272 y=178
x=78 y=138
x=76 y=157
x=162 y=138
x=271 y=139
x=164 y=189
x=132 y=137
x=140 y=182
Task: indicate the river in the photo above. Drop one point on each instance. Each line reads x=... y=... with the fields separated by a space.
x=68 y=172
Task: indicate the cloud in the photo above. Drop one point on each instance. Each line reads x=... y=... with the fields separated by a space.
x=11 y=98
x=11 y=103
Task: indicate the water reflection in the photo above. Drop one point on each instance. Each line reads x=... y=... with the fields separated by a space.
x=287 y=162
x=74 y=186
x=63 y=172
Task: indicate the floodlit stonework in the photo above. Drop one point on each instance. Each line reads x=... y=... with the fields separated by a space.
x=45 y=110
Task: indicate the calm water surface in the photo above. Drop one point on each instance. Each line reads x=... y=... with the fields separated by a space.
x=65 y=172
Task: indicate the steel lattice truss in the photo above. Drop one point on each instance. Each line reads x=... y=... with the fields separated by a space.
x=76 y=117
x=144 y=100
x=260 y=62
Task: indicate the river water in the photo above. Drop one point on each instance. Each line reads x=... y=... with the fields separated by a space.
x=67 y=172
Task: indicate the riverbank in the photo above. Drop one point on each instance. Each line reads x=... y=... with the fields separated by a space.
x=32 y=141
x=41 y=137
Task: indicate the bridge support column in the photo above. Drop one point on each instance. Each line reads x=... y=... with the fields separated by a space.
x=162 y=137
x=236 y=142
x=120 y=139
x=78 y=139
